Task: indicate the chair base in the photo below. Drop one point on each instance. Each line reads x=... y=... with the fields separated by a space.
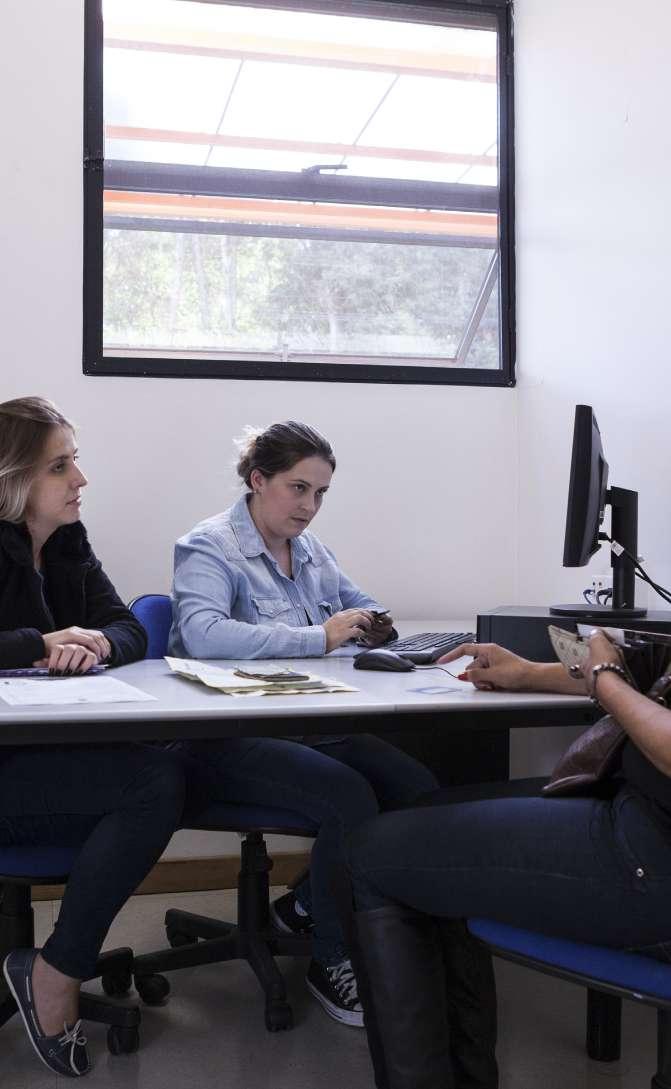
x=197 y=939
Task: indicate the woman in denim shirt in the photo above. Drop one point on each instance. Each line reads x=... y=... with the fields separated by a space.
x=253 y=582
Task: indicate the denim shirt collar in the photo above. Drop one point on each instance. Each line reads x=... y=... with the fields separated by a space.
x=252 y=544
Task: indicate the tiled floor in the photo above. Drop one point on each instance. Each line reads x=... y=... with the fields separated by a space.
x=211 y=1031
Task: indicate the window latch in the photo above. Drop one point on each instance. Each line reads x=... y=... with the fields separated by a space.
x=318 y=167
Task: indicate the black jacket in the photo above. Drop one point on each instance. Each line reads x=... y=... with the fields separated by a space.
x=76 y=591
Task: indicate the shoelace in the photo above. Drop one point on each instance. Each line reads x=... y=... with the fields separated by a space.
x=344 y=981
x=72 y=1037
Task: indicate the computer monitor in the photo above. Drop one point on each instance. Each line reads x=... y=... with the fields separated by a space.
x=588 y=497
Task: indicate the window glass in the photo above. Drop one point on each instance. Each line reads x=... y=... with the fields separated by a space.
x=283 y=186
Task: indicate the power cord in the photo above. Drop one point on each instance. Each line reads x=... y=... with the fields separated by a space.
x=639 y=571
x=597 y=597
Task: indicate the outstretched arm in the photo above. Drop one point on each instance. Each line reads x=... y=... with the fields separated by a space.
x=495 y=667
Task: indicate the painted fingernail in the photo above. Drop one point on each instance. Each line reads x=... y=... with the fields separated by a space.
x=462 y=676
x=68 y=672
x=52 y=672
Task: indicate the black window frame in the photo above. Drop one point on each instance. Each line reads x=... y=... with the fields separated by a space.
x=99 y=174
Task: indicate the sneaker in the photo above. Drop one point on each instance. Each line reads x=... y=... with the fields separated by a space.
x=287 y=916
x=336 y=990
x=64 y=1053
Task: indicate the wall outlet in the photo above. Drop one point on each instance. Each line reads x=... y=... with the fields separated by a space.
x=601 y=582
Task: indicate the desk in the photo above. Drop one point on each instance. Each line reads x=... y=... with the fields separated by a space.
x=184 y=708
x=461 y=734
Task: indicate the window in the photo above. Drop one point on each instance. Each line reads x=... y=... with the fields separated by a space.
x=282 y=190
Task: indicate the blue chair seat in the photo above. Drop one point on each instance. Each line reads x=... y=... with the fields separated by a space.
x=220 y=817
x=632 y=972
x=37 y=863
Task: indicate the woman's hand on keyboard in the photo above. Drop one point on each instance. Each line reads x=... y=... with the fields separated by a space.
x=90 y=638
x=66 y=658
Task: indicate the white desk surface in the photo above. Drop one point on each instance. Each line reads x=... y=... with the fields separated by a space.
x=378 y=693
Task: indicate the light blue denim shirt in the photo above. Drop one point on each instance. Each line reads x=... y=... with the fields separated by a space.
x=231 y=600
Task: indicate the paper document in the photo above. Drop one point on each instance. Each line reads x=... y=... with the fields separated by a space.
x=232 y=683
x=57 y=691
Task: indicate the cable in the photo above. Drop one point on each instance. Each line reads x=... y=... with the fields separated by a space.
x=640 y=572
x=658 y=589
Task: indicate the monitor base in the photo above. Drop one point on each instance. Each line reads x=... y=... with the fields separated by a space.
x=603 y=613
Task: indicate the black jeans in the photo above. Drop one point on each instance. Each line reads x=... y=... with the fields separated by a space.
x=337 y=784
x=120 y=802
x=587 y=869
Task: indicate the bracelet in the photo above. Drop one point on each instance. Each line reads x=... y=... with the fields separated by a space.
x=606 y=667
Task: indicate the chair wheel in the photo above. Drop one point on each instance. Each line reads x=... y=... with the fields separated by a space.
x=279 y=1017
x=152 y=989
x=177 y=938
x=122 y=1041
x=116 y=984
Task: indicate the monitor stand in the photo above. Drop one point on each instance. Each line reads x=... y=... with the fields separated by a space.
x=603 y=613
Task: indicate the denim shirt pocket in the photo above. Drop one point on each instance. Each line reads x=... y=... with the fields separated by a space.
x=326 y=609
x=270 y=609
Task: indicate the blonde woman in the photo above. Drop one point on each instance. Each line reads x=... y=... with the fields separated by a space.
x=120 y=802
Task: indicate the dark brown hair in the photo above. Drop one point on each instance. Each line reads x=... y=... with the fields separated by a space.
x=25 y=425
x=278 y=447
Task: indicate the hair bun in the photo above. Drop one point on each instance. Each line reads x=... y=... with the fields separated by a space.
x=277 y=448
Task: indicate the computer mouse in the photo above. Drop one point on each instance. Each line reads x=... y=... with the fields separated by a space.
x=387 y=660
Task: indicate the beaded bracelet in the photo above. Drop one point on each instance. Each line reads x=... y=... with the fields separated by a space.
x=606 y=667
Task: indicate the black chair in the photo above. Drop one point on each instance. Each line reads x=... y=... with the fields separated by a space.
x=196 y=939
x=22 y=867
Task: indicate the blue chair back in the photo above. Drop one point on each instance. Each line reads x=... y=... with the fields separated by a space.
x=154 y=611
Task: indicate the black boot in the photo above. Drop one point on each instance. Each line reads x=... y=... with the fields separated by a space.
x=471 y=1006
x=402 y=989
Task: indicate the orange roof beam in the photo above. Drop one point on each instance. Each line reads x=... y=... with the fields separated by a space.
x=301 y=213
x=317 y=147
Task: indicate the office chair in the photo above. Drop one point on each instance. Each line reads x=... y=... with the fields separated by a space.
x=609 y=974
x=196 y=939
x=22 y=867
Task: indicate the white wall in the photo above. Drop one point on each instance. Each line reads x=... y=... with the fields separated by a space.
x=594 y=322
x=463 y=487
x=593 y=238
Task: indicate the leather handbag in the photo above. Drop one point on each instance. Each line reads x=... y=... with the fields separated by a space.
x=595 y=754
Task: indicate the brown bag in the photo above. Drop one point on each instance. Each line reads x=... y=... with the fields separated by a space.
x=595 y=754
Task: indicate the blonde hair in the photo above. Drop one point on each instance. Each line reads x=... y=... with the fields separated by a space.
x=277 y=448
x=25 y=424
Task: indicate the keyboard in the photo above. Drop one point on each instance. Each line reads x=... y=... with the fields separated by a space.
x=42 y=671
x=431 y=645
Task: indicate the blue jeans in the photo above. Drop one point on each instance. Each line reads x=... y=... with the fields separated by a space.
x=120 y=802
x=336 y=784
x=587 y=869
